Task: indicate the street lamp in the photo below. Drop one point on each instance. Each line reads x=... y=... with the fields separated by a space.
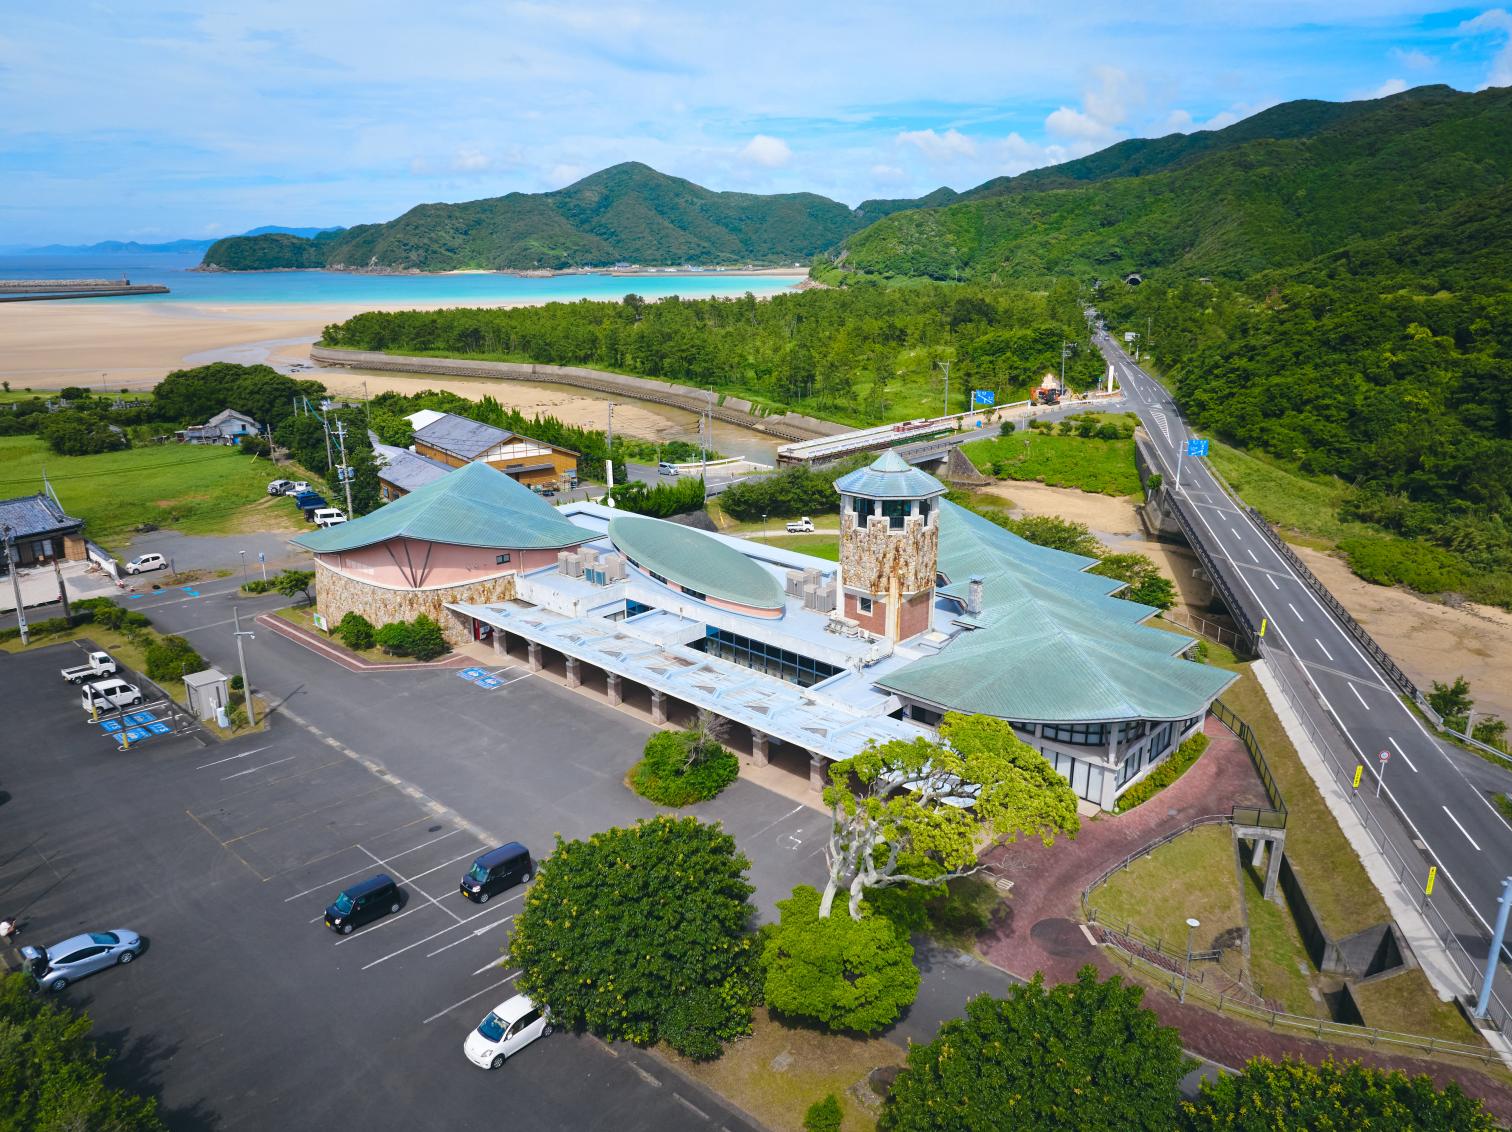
x=765 y=537
x=1192 y=925
x=946 y=366
x=241 y=656
x=243 y=554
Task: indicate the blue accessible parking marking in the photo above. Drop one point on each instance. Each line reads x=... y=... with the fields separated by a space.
x=159 y=728
x=136 y=734
x=471 y=673
x=190 y=590
x=133 y=597
x=141 y=717
x=490 y=682
x=110 y=725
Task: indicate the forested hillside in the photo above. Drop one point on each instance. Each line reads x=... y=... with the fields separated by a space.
x=862 y=354
x=629 y=212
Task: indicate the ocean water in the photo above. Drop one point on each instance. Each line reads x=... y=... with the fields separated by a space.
x=388 y=291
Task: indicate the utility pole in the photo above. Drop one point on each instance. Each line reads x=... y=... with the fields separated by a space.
x=609 y=457
x=343 y=471
x=946 y=411
x=1065 y=346
x=10 y=566
x=241 y=657
x=1504 y=901
x=62 y=589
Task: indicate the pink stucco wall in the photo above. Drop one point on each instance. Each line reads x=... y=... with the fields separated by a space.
x=447 y=565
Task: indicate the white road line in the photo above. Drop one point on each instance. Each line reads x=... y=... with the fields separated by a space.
x=385 y=861
x=255 y=769
x=1359 y=697
x=779 y=821
x=495 y=965
x=1251 y=553
x=418 y=942
x=1235 y=533
x=470 y=935
x=1295 y=614
x=410 y=881
x=229 y=758
x=1324 y=647
x=469 y=998
x=212 y=625
x=1272 y=581
x=1403 y=753
x=1459 y=827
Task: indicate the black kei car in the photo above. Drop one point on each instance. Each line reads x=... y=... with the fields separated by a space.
x=497 y=870
x=362 y=903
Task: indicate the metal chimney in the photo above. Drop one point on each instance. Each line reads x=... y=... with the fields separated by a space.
x=974 y=594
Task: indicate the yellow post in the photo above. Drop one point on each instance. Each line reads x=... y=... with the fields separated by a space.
x=1432 y=876
x=1263 y=621
x=1359 y=770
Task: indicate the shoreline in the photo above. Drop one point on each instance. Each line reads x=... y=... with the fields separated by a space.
x=522 y=273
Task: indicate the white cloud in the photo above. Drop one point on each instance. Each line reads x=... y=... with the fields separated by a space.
x=1389 y=87
x=1105 y=108
x=1069 y=123
x=948 y=146
x=888 y=174
x=1414 y=60
x=767 y=151
x=470 y=160
x=1496 y=21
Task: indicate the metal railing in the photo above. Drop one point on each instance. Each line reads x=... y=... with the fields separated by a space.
x=1245 y=635
x=1411 y=874
x=1211 y=630
x=1275 y=817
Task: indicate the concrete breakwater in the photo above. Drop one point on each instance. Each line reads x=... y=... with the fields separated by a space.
x=31 y=290
x=732 y=410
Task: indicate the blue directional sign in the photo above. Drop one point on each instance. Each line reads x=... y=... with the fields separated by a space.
x=983 y=397
x=1196 y=447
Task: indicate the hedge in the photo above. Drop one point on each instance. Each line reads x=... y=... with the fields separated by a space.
x=664 y=777
x=1163 y=775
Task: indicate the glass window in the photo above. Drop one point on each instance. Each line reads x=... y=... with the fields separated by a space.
x=1160 y=743
x=1082 y=734
x=924 y=509
x=499 y=560
x=863 y=510
x=896 y=511
x=863 y=605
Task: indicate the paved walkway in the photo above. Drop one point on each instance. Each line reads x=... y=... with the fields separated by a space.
x=1040 y=928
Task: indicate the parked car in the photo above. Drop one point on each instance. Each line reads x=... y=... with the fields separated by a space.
x=362 y=904
x=99 y=664
x=801 y=526
x=496 y=870
x=297 y=487
x=56 y=966
x=105 y=695
x=144 y=562
x=279 y=487
x=666 y=469
x=328 y=517
x=509 y=1028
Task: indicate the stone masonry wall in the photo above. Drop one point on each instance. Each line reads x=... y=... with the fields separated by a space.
x=871 y=556
x=336 y=595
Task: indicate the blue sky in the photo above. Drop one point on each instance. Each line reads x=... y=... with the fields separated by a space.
x=152 y=120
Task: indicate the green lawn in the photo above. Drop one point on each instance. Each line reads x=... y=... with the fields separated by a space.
x=1102 y=466
x=191 y=488
x=1308 y=505
x=1278 y=962
x=818 y=545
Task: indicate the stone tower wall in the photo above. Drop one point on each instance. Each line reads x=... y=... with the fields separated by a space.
x=871 y=557
x=336 y=595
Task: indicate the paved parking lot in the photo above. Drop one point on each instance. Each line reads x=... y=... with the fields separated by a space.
x=244 y=1010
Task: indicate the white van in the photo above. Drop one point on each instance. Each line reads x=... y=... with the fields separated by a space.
x=666 y=469
x=328 y=517
x=106 y=695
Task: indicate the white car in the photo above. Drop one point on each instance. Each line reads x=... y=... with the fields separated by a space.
x=105 y=695
x=509 y=1028
x=328 y=516
x=144 y=562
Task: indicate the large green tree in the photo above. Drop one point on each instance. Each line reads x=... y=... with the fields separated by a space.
x=642 y=933
x=1083 y=1055
x=913 y=812
x=1331 y=1097
x=193 y=396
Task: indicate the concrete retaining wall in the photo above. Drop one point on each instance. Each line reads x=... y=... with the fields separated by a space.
x=336 y=595
x=787 y=426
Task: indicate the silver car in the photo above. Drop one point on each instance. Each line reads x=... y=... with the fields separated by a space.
x=56 y=966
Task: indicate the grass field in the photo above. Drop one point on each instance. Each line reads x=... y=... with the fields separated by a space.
x=1102 y=466
x=818 y=545
x=1307 y=505
x=190 y=488
x=1193 y=875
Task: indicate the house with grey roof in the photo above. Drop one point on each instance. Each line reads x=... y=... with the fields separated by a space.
x=227 y=427
x=38 y=530
x=455 y=440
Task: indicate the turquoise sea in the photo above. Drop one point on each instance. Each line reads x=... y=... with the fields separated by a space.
x=332 y=287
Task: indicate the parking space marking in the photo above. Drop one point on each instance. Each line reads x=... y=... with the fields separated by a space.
x=411 y=880
x=225 y=845
x=418 y=942
x=470 y=935
x=469 y=998
x=385 y=861
x=347 y=801
x=780 y=820
x=495 y=965
x=255 y=769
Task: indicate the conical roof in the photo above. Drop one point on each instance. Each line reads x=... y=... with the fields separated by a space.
x=890 y=476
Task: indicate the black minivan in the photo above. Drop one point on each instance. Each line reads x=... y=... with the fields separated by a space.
x=497 y=870
x=362 y=904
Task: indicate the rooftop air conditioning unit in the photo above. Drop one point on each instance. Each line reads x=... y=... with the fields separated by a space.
x=793 y=585
x=570 y=563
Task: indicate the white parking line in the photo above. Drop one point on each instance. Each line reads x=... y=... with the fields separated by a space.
x=779 y=821
x=494 y=966
x=1324 y=648
x=229 y=758
x=1459 y=827
x=1403 y=753
x=385 y=861
x=470 y=935
x=410 y=881
x=255 y=769
x=1295 y=614
x=418 y=942
x=469 y=998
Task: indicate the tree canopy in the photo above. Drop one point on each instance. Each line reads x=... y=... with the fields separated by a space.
x=193 y=396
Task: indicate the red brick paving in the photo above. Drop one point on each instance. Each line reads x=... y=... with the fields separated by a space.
x=1048 y=882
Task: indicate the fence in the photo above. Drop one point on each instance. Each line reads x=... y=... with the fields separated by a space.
x=1245 y=637
x=1275 y=817
x=1410 y=874
x=1211 y=630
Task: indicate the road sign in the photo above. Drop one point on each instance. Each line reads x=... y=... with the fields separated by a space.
x=261 y=557
x=983 y=397
x=1197 y=447
x=1384 y=755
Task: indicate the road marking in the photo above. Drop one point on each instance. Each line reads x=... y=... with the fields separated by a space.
x=1459 y=827
x=418 y=942
x=1235 y=533
x=1272 y=581
x=411 y=880
x=1324 y=648
x=1359 y=697
x=255 y=769
x=495 y=965
x=779 y=821
x=385 y=861
x=470 y=935
x=469 y=998
x=1295 y=614
x=1401 y=752
x=228 y=758
x=1251 y=553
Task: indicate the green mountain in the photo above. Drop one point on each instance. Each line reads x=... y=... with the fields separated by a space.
x=628 y=212
x=1300 y=181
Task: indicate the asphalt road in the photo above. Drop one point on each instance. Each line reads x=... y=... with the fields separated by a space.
x=1442 y=790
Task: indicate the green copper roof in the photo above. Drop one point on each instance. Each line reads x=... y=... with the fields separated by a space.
x=890 y=477
x=476 y=505
x=695 y=561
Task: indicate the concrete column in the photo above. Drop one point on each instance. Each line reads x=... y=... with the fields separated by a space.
x=612 y=683
x=498 y=642
x=533 y=650
x=818 y=772
x=1273 y=874
x=658 y=707
x=574 y=673
x=1259 y=854
x=759 y=748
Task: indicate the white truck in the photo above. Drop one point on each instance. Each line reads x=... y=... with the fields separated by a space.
x=801 y=526
x=99 y=664
x=106 y=695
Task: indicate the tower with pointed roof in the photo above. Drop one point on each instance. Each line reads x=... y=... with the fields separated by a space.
x=889 y=546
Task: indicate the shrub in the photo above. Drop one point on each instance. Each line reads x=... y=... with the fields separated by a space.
x=258 y=586
x=237 y=683
x=131 y=620
x=792 y=491
x=1166 y=773
x=824 y=1116
x=255 y=446
x=172 y=658
x=1008 y=427
x=395 y=638
x=355 y=631
x=1389 y=561
x=426 y=639
x=665 y=776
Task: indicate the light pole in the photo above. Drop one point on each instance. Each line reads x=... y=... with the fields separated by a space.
x=10 y=567
x=243 y=554
x=343 y=471
x=1065 y=349
x=1381 y=774
x=242 y=658
x=1192 y=925
x=946 y=411
x=609 y=456
x=1504 y=902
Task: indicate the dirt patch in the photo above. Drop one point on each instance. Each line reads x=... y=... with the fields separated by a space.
x=1430 y=641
